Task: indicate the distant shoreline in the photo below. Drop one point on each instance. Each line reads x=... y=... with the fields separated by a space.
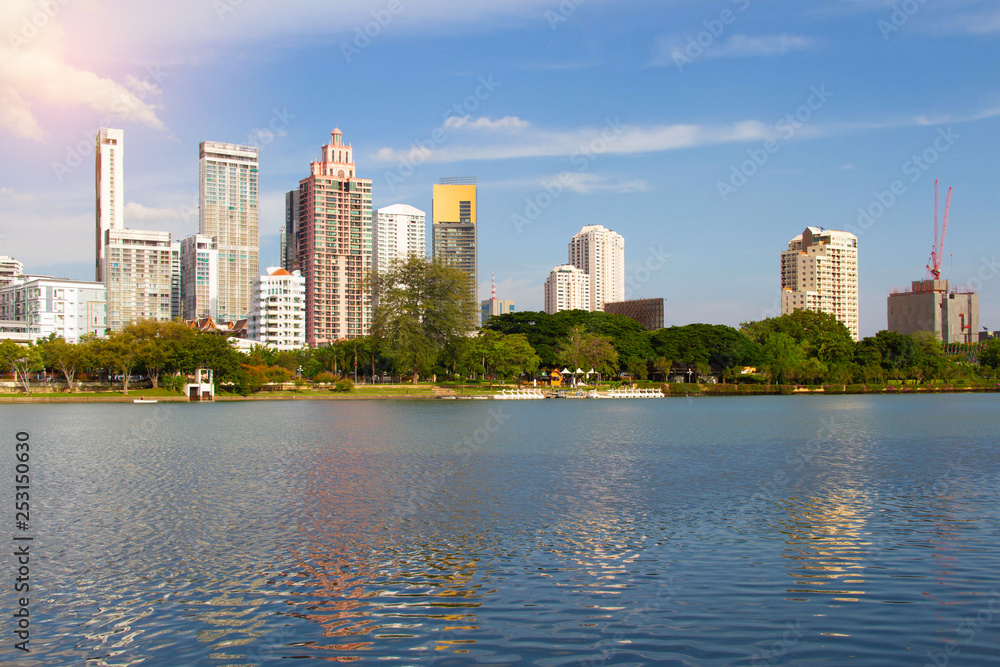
x=702 y=391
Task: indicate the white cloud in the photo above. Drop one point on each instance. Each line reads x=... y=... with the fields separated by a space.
x=669 y=50
x=743 y=46
x=34 y=71
x=587 y=183
x=613 y=138
x=137 y=212
x=484 y=123
x=980 y=24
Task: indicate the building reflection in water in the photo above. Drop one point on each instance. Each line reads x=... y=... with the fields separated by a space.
x=368 y=572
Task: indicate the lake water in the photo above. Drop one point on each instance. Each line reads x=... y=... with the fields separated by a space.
x=836 y=530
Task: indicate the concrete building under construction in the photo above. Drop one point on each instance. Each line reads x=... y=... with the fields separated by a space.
x=930 y=305
x=952 y=315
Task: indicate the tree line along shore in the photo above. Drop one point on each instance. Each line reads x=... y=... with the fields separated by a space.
x=420 y=329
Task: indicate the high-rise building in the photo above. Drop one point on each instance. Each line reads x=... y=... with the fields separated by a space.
x=952 y=315
x=334 y=245
x=142 y=275
x=278 y=315
x=493 y=306
x=229 y=213
x=10 y=270
x=567 y=288
x=289 y=256
x=67 y=308
x=398 y=232
x=199 y=277
x=600 y=253
x=110 y=173
x=454 y=235
x=819 y=272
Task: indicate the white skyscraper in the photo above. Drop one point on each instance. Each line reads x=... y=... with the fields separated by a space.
x=819 y=272
x=600 y=253
x=278 y=314
x=398 y=232
x=199 y=277
x=110 y=152
x=567 y=288
x=229 y=214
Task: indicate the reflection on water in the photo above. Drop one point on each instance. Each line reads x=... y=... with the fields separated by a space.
x=649 y=532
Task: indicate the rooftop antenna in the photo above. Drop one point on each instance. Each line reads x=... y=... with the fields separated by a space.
x=493 y=296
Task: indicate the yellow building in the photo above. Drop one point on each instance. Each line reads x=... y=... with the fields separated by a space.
x=453 y=226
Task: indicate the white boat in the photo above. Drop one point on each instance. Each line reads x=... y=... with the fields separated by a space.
x=144 y=400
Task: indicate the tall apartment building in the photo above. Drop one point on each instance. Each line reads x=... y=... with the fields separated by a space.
x=398 y=232
x=278 y=315
x=67 y=308
x=334 y=245
x=567 y=288
x=142 y=277
x=454 y=235
x=109 y=153
x=10 y=270
x=289 y=254
x=199 y=277
x=600 y=253
x=229 y=213
x=819 y=272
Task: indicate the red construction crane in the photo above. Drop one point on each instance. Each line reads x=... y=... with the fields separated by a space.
x=937 y=250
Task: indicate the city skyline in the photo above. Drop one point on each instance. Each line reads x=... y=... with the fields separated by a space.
x=707 y=137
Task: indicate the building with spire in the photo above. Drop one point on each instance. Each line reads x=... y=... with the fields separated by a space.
x=333 y=245
x=493 y=306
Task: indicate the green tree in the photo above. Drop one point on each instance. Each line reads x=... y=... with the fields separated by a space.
x=120 y=354
x=420 y=306
x=582 y=350
x=783 y=358
x=22 y=359
x=515 y=356
x=67 y=358
x=663 y=365
x=989 y=355
x=637 y=368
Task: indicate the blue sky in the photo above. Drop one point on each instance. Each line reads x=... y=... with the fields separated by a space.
x=630 y=114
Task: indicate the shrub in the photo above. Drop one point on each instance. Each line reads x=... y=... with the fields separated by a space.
x=683 y=389
x=344 y=385
x=277 y=374
x=855 y=389
x=324 y=378
x=834 y=389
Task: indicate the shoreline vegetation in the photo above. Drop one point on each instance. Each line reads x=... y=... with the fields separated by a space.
x=419 y=345
x=433 y=391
